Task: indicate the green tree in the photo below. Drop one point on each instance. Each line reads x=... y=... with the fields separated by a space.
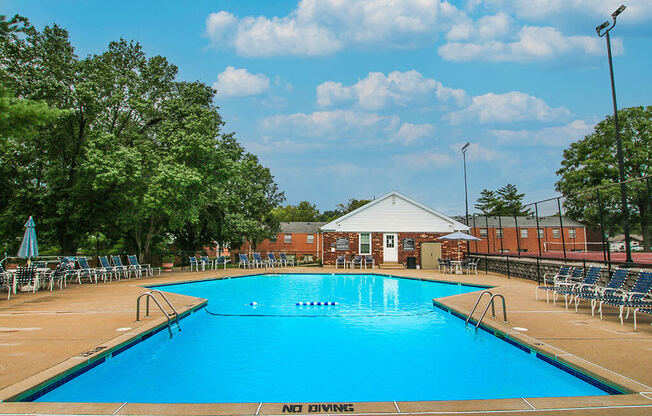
x=592 y=162
x=303 y=211
x=505 y=201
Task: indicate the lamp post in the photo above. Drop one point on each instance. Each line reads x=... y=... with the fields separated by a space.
x=466 y=193
x=603 y=30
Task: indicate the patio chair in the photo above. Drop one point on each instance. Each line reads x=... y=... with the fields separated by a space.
x=644 y=307
x=244 y=261
x=107 y=270
x=207 y=262
x=444 y=264
x=258 y=261
x=341 y=261
x=357 y=261
x=6 y=281
x=25 y=276
x=119 y=267
x=285 y=259
x=196 y=263
x=222 y=260
x=552 y=280
x=149 y=270
x=85 y=270
x=464 y=265
x=368 y=259
x=473 y=264
x=60 y=275
x=632 y=298
x=594 y=293
x=570 y=288
x=273 y=260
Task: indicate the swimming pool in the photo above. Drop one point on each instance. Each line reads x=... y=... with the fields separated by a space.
x=383 y=341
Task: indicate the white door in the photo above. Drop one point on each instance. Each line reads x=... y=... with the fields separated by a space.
x=390 y=248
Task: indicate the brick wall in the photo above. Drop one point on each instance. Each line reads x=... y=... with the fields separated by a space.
x=448 y=248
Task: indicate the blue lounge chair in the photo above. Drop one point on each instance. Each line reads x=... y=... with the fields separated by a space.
x=571 y=288
x=551 y=281
x=60 y=275
x=85 y=270
x=195 y=263
x=593 y=293
x=119 y=267
x=341 y=261
x=368 y=259
x=357 y=261
x=285 y=260
x=207 y=263
x=6 y=280
x=149 y=270
x=258 y=261
x=273 y=260
x=244 y=261
x=645 y=306
x=106 y=269
x=222 y=260
x=632 y=298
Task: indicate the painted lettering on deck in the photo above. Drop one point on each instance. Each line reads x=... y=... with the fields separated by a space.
x=319 y=408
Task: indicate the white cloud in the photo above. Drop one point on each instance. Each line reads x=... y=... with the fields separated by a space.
x=531 y=43
x=556 y=136
x=411 y=133
x=427 y=160
x=320 y=27
x=378 y=91
x=240 y=83
x=506 y=108
x=478 y=153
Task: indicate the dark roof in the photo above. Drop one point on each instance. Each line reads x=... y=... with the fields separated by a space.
x=523 y=221
x=301 y=227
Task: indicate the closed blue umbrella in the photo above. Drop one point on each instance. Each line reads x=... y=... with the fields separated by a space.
x=29 y=247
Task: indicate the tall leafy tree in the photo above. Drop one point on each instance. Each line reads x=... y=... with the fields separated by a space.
x=591 y=162
x=303 y=211
x=504 y=201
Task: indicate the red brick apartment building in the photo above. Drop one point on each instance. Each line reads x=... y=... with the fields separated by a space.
x=300 y=239
x=391 y=229
x=519 y=235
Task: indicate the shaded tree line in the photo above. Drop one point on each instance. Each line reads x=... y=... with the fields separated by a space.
x=114 y=145
x=304 y=211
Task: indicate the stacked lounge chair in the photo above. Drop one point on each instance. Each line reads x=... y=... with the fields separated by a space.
x=635 y=297
x=594 y=293
x=552 y=281
x=571 y=288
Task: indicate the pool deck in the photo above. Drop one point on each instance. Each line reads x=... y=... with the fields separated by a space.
x=46 y=334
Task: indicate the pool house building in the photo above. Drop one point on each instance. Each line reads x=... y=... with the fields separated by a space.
x=391 y=229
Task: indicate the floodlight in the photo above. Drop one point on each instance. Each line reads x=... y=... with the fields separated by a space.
x=465 y=146
x=601 y=27
x=618 y=11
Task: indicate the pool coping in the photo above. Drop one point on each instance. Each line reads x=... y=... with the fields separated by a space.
x=58 y=374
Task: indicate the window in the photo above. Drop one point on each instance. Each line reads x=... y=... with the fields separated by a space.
x=272 y=238
x=310 y=238
x=541 y=233
x=499 y=233
x=483 y=232
x=571 y=233
x=408 y=244
x=365 y=243
x=288 y=238
x=503 y=250
x=555 y=233
x=523 y=232
x=342 y=244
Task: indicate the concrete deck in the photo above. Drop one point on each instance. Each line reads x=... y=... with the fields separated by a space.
x=45 y=334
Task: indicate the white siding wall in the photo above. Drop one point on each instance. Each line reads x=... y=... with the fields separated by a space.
x=393 y=214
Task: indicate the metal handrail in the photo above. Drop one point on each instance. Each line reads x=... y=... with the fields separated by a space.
x=476 y=304
x=150 y=294
x=493 y=312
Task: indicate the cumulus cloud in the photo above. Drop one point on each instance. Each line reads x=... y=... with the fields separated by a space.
x=378 y=91
x=510 y=107
x=531 y=43
x=410 y=133
x=557 y=136
x=240 y=83
x=320 y=27
x=427 y=160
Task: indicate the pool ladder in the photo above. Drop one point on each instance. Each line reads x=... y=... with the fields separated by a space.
x=172 y=316
x=491 y=303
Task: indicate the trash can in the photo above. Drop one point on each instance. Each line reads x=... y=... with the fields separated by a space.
x=411 y=262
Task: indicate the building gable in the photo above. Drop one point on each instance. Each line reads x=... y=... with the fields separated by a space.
x=394 y=212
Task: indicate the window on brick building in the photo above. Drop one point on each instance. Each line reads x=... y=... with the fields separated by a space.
x=272 y=239
x=571 y=233
x=342 y=244
x=555 y=233
x=499 y=233
x=288 y=238
x=408 y=244
x=541 y=233
x=523 y=232
x=483 y=232
x=365 y=243
x=310 y=238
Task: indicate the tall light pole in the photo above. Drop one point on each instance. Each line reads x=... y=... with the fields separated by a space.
x=603 y=30
x=466 y=193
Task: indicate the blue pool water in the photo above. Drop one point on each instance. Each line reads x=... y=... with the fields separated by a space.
x=384 y=341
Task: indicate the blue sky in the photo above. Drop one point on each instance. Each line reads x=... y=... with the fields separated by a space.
x=354 y=98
